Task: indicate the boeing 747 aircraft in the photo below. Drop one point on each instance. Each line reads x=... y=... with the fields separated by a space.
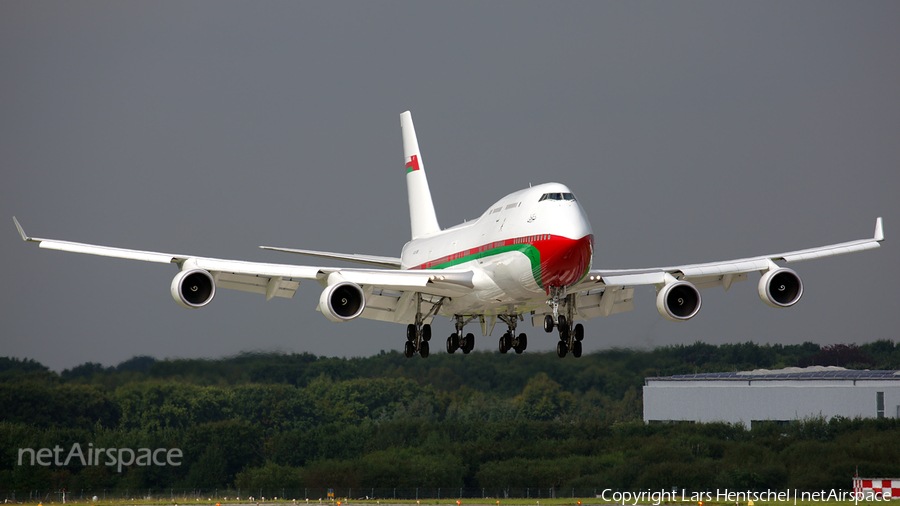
x=528 y=256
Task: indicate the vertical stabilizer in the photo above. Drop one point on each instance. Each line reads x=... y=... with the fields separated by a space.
x=422 y=219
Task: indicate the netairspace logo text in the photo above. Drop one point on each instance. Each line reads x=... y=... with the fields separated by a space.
x=95 y=456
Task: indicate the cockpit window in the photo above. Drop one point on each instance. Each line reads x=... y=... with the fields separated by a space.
x=557 y=196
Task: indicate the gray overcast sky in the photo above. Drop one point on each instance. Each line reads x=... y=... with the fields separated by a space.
x=690 y=131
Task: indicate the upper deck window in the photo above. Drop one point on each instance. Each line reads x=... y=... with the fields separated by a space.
x=557 y=196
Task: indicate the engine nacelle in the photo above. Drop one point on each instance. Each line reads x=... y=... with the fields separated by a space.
x=678 y=301
x=342 y=301
x=780 y=287
x=193 y=288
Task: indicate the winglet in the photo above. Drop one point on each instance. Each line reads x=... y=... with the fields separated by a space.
x=879 y=230
x=21 y=230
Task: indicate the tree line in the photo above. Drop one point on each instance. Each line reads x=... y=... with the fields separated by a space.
x=267 y=420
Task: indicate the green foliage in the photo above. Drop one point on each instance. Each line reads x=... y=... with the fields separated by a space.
x=544 y=399
x=14 y=370
x=57 y=405
x=86 y=371
x=269 y=476
x=153 y=405
x=270 y=421
x=16 y=365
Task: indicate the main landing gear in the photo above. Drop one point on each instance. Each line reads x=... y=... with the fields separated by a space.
x=570 y=336
x=457 y=341
x=419 y=334
x=509 y=340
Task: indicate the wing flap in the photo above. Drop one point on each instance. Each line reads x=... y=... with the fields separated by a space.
x=726 y=280
x=721 y=268
x=611 y=301
x=261 y=269
x=443 y=283
x=637 y=278
x=393 y=306
x=257 y=284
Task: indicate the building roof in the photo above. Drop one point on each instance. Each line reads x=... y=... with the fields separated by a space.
x=788 y=373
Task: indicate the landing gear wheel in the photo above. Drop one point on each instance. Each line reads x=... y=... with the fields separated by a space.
x=579 y=332
x=470 y=343
x=409 y=350
x=563 y=331
x=561 y=349
x=563 y=323
x=507 y=341
x=411 y=332
x=452 y=343
x=503 y=348
x=576 y=349
x=548 y=323
x=426 y=332
x=423 y=349
x=521 y=344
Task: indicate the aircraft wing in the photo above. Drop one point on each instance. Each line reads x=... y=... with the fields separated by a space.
x=388 y=292
x=620 y=283
x=388 y=262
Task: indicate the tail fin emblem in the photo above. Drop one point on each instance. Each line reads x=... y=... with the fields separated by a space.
x=412 y=164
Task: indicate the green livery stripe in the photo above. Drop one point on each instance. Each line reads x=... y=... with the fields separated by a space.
x=534 y=256
x=554 y=248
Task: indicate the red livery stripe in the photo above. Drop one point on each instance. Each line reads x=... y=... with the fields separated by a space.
x=555 y=260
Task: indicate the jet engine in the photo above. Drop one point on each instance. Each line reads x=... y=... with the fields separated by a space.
x=678 y=301
x=193 y=288
x=780 y=287
x=342 y=301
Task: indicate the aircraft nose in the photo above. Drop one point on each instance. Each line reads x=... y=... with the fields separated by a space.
x=565 y=261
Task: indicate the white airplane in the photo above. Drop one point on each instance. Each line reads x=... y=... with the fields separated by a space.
x=529 y=255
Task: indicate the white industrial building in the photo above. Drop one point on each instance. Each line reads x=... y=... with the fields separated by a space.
x=778 y=396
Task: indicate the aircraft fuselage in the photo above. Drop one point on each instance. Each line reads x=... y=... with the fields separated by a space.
x=524 y=244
